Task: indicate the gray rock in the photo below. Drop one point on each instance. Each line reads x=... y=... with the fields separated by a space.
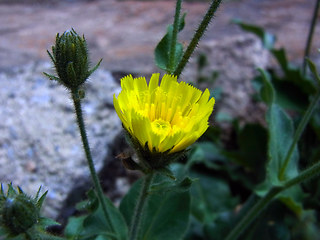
x=39 y=139
x=235 y=60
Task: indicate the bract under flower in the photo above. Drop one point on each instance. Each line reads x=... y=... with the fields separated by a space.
x=166 y=117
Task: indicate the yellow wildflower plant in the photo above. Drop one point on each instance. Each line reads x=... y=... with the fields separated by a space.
x=163 y=118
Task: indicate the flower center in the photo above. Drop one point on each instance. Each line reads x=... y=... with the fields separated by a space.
x=161 y=127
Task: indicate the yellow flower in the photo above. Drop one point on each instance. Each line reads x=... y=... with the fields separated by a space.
x=169 y=117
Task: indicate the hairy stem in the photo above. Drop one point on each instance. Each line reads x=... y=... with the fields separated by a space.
x=305 y=175
x=309 y=40
x=140 y=207
x=197 y=36
x=172 y=56
x=86 y=147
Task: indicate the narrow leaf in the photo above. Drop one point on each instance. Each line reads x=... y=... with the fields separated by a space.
x=313 y=69
x=267 y=92
x=267 y=39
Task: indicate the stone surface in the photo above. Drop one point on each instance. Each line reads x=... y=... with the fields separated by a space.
x=124 y=33
x=39 y=138
x=235 y=59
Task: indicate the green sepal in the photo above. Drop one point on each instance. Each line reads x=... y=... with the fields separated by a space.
x=47 y=222
x=51 y=77
x=150 y=161
x=95 y=67
x=41 y=199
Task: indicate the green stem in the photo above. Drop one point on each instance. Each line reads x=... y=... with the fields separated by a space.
x=309 y=40
x=303 y=123
x=140 y=207
x=197 y=36
x=174 y=37
x=94 y=176
x=263 y=202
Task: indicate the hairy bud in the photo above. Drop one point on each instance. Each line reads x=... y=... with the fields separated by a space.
x=19 y=212
x=71 y=60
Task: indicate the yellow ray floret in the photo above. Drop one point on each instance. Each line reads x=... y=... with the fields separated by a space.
x=170 y=116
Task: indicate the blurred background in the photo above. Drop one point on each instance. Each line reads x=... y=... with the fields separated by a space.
x=39 y=141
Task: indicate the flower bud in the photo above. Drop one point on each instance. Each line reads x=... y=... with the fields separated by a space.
x=19 y=212
x=71 y=60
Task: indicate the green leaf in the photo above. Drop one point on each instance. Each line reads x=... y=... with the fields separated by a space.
x=281 y=132
x=96 y=224
x=167 y=172
x=280 y=55
x=210 y=197
x=293 y=74
x=74 y=227
x=252 y=141
x=166 y=215
x=267 y=92
x=313 y=69
x=91 y=204
x=270 y=225
x=293 y=199
x=267 y=39
x=206 y=153
x=162 y=50
x=172 y=186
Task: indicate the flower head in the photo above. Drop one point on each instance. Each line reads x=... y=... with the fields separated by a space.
x=163 y=118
